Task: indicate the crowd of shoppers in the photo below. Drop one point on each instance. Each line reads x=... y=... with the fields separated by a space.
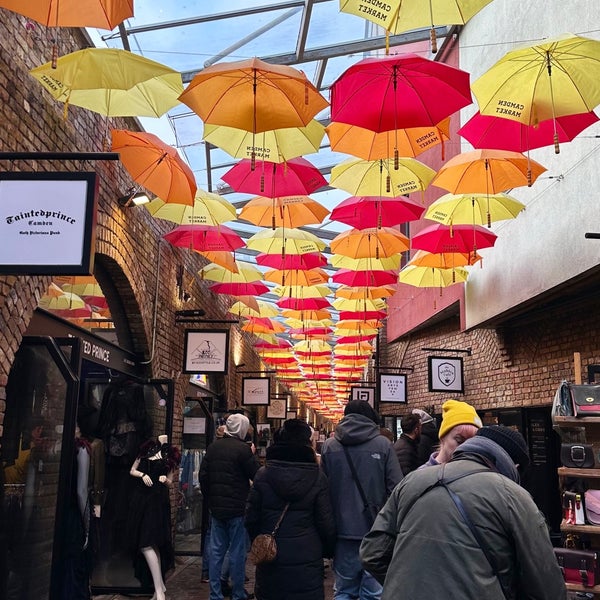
x=440 y=514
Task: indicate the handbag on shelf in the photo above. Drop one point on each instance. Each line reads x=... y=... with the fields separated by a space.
x=592 y=506
x=264 y=545
x=586 y=400
x=578 y=566
x=573 y=508
x=577 y=456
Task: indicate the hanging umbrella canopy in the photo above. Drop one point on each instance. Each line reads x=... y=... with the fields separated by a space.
x=294 y=177
x=262 y=325
x=474 y=209
x=66 y=301
x=297 y=278
x=103 y=14
x=312 y=347
x=308 y=323
x=90 y=292
x=112 y=82
x=383 y=178
x=278 y=343
x=285 y=241
x=366 y=278
x=458 y=238
x=155 y=165
x=397 y=92
x=375 y=211
x=362 y=264
x=494 y=132
x=432 y=276
x=356 y=324
x=275 y=145
x=286 y=211
x=204 y=238
x=303 y=304
x=306 y=314
x=255 y=288
x=265 y=309
x=368 y=293
x=246 y=274
x=358 y=305
x=362 y=313
x=532 y=84
x=371 y=145
x=253 y=95
x=444 y=260
x=207 y=209
x=302 y=291
x=222 y=259
x=308 y=260
x=371 y=242
x=487 y=172
x=310 y=332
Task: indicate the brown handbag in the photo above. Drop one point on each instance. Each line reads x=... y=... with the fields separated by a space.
x=264 y=545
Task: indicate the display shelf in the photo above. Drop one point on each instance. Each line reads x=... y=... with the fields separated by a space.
x=589 y=529
x=575 y=421
x=576 y=587
x=583 y=473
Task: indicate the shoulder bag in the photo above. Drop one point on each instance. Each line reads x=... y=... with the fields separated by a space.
x=264 y=545
x=577 y=456
x=370 y=510
x=586 y=400
x=578 y=566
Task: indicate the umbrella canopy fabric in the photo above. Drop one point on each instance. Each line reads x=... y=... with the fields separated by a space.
x=262 y=325
x=487 y=131
x=296 y=277
x=221 y=258
x=207 y=209
x=253 y=95
x=458 y=238
x=66 y=301
x=359 y=305
x=444 y=260
x=155 y=165
x=265 y=309
x=397 y=92
x=285 y=241
x=474 y=209
x=295 y=177
x=255 y=288
x=384 y=178
x=375 y=211
x=370 y=293
x=112 y=82
x=487 y=172
x=246 y=274
x=286 y=211
x=371 y=242
x=306 y=314
x=303 y=304
x=363 y=264
x=275 y=145
x=560 y=76
x=371 y=145
x=205 y=238
x=364 y=278
x=104 y=14
x=431 y=276
x=302 y=291
x=308 y=260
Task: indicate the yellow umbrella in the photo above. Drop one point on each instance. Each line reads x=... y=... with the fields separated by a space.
x=275 y=145
x=285 y=241
x=343 y=331
x=372 y=145
x=296 y=277
x=222 y=258
x=246 y=274
x=432 y=276
x=312 y=346
x=308 y=323
x=359 y=305
x=302 y=291
x=265 y=309
x=54 y=291
x=370 y=293
x=283 y=211
x=112 y=82
x=372 y=242
x=66 y=301
x=208 y=209
x=383 y=263
x=475 y=209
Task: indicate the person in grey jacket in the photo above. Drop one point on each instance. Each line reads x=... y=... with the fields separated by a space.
x=421 y=526
x=378 y=470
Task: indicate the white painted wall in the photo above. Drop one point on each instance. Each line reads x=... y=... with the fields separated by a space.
x=545 y=245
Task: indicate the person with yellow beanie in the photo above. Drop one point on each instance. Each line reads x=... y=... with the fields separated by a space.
x=460 y=422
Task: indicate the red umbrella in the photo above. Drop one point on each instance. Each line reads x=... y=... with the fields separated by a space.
x=205 y=238
x=303 y=303
x=278 y=344
x=251 y=288
x=350 y=339
x=365 y=278
x=397 y=92
x=374 y=211
x=301 y=262
x=294 y=177
x=364 y=315
x=485 y=131
x=456 y=238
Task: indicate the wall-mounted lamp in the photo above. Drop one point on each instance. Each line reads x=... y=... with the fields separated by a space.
x=133 y=198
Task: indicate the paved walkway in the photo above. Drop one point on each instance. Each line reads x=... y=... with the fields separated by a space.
x=183 y=583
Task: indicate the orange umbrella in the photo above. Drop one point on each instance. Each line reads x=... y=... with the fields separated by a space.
x=262 y=325
x=155 y=165
x=253 y=95
x=284 y=211
x=222 y=258
x=308 y=314
x=445 y=260
x=370 y=242
x=369 y=293
x=296 y=277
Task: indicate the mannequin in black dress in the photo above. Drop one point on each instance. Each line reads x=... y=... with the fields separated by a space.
x=150 y=509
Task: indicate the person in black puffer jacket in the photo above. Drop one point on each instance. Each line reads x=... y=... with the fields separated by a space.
x=307 y=532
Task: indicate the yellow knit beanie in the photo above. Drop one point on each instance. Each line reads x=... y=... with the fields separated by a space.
x=455 y=412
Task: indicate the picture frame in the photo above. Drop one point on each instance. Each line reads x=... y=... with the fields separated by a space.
x=291 y=414
x=256 y=391
x=392 y=388
x=206 y=350
x=277 y=408
x=263 y=431
x=363 y=392
x=446 y=374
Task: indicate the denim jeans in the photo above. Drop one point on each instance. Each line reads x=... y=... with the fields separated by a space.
x=351 y=581
x=228 y=534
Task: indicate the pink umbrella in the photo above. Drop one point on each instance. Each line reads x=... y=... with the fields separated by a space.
x=252 y=288
x=365 y=278
x=204 y=238
x=303 y=303
x=278 y=344
x=362 y=212
x=485 y=131
x=301 y=262
x=350 y=339
x=397 y=92
x=294 y=177
x=364 y=315
x=456 y=238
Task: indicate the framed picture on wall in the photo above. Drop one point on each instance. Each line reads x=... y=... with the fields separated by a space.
x=206 y=351
x=291 y=414
x=277 y=408
x=392 y=388
x=445 y=374
x=366 y=393
x=256 y=391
